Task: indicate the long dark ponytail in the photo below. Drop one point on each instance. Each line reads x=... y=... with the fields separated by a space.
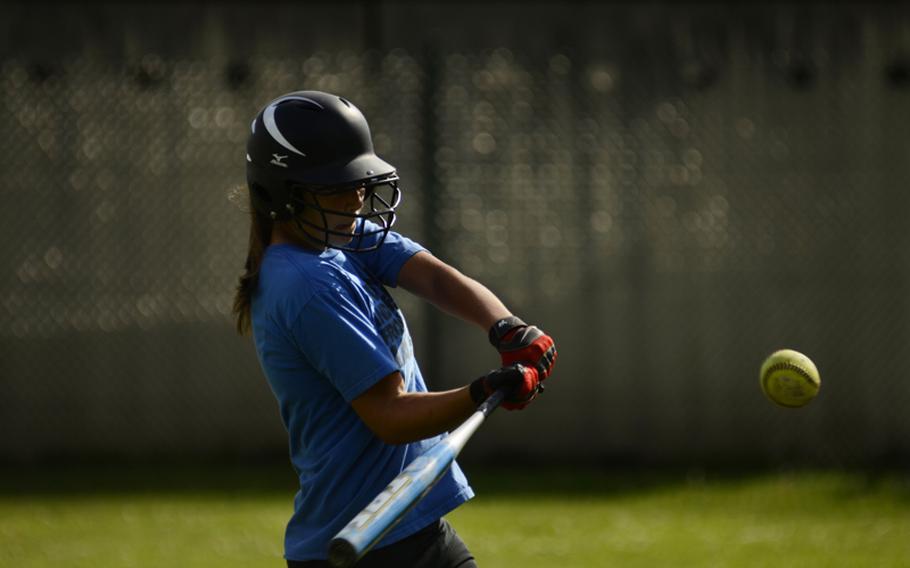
x=260 y=235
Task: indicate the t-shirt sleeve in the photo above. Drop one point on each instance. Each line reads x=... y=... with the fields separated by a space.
x=336 y=334
x=386 y=261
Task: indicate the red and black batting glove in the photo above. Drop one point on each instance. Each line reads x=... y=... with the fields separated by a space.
x=518 y=342
x=519 y=381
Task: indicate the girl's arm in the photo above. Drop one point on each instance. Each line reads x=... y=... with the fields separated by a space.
x=451 y=291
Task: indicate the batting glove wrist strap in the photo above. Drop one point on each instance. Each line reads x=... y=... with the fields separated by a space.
x=478 y=392
x=519 y=382
x=502 y=327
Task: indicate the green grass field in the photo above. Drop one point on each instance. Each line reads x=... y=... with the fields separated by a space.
x=197 y=518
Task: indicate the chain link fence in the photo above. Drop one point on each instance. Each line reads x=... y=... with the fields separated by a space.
x=672 y=193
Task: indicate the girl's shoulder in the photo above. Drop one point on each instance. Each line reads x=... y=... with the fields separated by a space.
x=291 y=271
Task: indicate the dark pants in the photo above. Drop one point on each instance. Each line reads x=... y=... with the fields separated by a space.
x=436 y=546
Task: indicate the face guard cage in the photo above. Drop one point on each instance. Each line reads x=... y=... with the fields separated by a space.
x=379 y=201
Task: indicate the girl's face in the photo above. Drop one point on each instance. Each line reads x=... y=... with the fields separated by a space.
x=342 y=226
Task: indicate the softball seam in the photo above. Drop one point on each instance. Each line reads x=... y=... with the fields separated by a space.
x=782 y=366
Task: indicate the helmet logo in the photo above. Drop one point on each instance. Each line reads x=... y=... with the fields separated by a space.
x=268 y=118
x=276 y=159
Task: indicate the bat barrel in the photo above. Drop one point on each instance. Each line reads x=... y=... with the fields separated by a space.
x=409 y=487
x=394 y=502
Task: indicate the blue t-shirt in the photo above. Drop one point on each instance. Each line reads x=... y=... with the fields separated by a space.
x=326 y=330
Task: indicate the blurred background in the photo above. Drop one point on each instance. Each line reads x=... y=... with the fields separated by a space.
x=672 y=192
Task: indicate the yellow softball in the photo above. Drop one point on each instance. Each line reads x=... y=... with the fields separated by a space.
x=789 y=378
